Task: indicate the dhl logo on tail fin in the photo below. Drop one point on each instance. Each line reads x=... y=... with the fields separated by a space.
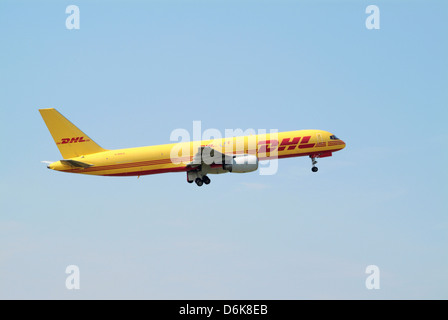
x=72 y=140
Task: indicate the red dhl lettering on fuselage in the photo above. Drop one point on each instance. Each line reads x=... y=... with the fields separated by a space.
x=286 y=144
x=72 y=140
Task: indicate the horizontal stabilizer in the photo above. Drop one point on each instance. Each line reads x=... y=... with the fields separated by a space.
x=76 y=164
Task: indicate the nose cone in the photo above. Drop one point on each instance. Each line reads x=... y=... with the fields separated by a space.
x=335 y=142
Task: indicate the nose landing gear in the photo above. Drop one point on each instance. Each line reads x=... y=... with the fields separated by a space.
x=313 y=162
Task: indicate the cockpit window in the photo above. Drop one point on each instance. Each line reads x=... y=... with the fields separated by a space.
x=333 y=137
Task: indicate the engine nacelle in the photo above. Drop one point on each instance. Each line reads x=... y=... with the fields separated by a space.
x=242 y=164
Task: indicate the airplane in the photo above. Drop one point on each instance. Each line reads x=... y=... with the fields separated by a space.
x=197 y=158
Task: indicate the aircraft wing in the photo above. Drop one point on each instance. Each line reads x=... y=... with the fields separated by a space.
x=76 y=164
x=207 y=155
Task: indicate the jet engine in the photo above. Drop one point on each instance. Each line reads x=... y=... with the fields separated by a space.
x=242 y=164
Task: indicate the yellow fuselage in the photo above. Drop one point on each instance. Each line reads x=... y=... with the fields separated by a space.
x=159 y=158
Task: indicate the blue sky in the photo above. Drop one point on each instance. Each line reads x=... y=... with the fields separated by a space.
x=137 y=70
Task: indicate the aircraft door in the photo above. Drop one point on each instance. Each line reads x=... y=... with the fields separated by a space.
x=319 y=141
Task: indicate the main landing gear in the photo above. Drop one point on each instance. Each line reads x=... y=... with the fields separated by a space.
x=198 y=177
x=200 y=181
x=313 y=161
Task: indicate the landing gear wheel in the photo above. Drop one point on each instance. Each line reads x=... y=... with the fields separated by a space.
x=190 y=181
x=313 y=162
x=206 y=179
x=199 y=182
